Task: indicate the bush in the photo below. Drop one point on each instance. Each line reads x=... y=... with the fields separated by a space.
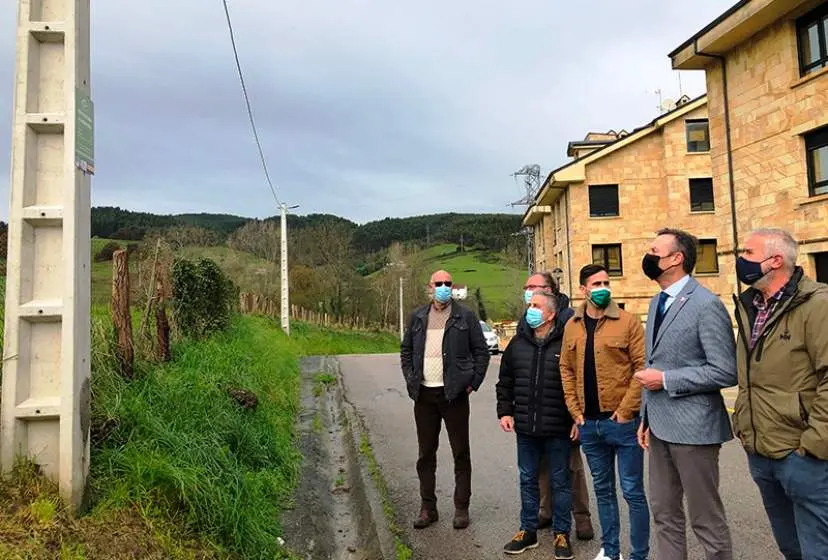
x=204 y=298
x=106 y=252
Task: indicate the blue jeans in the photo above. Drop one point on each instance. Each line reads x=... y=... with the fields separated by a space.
x=795 y=493
x=529 y=453
x=602 y=441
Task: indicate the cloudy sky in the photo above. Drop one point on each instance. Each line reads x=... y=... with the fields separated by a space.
x=366 y=108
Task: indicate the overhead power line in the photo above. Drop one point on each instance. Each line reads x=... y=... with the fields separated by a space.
x=247 y=103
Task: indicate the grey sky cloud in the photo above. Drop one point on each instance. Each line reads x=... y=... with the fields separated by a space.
x=365 y=108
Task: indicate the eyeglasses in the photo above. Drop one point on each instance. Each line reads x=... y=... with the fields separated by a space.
x=446 y=283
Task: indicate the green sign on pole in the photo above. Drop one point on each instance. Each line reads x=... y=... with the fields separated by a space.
x=84 y=133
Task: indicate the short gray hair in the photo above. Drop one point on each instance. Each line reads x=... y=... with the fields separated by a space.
x=779 y=242
x=551 y=300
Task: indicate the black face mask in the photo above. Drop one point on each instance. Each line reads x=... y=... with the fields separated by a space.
x=650 y=266
x=749 y=272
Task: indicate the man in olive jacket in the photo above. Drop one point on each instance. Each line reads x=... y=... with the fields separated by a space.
x=781 y=412
x=444 y=358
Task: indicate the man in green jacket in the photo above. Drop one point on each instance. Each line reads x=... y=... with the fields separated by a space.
x=782 y=409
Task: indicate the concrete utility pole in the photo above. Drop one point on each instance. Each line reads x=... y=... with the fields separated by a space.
x=46 y=396
x=284 y=273
x=402 y=322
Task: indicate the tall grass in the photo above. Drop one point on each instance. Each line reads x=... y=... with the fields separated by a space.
x=180 y=445
x=183 y=446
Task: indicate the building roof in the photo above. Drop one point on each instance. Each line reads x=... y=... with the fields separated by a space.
x=738 y=24
x=731 y=10
x=562 y=178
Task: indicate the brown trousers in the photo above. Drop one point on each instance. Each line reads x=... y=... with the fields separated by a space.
x=580 y=492
x=430 y=411
x=692 y=472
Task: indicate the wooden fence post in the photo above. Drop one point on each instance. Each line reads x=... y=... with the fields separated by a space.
x=162 y=323
x=121 y=318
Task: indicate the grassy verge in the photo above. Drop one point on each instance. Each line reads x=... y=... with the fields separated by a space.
x=182 y=444
x=181 y=468
x=403 y=551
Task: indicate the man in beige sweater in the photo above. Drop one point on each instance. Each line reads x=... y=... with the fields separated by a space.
x=444 y=358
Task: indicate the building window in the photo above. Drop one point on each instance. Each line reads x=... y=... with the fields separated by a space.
x=708 y=260
x=812 y=30
x=698 y=136
x=701 y=195
x=821 y=265
x=816 y=147
x=608 y=256
x=603 y=201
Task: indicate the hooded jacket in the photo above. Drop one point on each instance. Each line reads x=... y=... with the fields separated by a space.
x=782 y=404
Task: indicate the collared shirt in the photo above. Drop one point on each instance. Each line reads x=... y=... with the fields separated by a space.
x=674 y=290
x=764 y=309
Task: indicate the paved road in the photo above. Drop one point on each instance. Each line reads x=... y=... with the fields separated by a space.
x=374 y=384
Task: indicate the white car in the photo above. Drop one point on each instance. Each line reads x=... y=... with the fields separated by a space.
x=492 y=340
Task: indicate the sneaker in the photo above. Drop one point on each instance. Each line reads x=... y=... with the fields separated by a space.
x=522 y=541
x=602 y=556
x=563 y=550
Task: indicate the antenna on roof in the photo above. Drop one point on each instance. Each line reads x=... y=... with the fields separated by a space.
x=681 y=91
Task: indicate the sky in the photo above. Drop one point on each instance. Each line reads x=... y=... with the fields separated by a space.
x=365 y=108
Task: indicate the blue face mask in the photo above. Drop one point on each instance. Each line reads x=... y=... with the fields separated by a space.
x=527 y=296
x=442 y=294
x=534 y=317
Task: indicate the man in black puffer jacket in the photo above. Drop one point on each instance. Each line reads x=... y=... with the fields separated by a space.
x=530 y=402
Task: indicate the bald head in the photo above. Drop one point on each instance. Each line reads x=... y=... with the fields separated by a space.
x=440 y=276
x=440 y=288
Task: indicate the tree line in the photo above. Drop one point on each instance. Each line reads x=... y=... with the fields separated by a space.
x=489 y=231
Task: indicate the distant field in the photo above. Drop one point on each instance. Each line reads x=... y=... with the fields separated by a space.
x=499 y=282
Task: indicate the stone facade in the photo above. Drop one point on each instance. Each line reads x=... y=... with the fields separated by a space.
x=652 y=170
x=771 y=109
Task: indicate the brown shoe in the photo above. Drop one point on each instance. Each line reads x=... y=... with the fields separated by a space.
x=461 y=518
x=427 y=517
x=583 y=529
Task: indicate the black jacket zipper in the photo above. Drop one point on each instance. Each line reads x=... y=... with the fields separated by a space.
x=534 y=394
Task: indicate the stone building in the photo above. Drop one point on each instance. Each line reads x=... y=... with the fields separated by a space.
x=766 y=66
x=606 y=204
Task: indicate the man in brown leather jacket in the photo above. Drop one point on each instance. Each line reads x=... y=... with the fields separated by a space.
x=603 y=347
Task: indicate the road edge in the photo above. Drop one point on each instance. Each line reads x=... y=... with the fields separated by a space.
x=391 y=538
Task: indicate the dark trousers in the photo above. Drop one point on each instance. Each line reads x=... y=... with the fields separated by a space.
x=430 y=411
x=691 y=472
x=795 y=493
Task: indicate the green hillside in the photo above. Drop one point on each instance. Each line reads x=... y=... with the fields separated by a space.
x=250 y=273
x=499 y=282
